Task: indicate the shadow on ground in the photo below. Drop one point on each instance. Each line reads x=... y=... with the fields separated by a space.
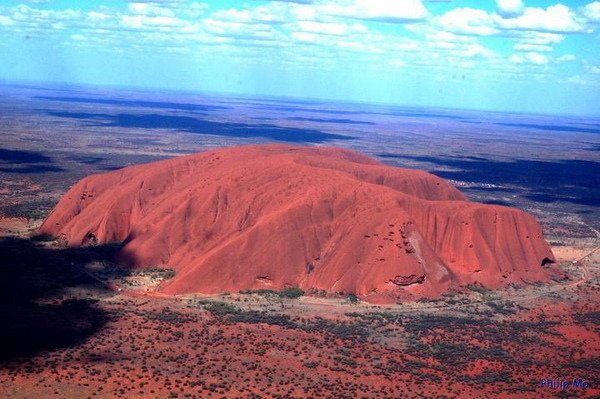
x=202 y=126
x=37 y=309
x=25 y=162
x=554 y=128
x=569 y=180
x=136 y=103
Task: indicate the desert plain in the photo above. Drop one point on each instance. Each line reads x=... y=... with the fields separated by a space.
x=78 y=324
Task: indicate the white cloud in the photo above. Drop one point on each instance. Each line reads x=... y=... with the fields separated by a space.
x=262 y=14
x=540 y=38
x=297 y=1
x=379 y=10
x=304 y=13
x=26 y=14
x=78 y=37
x=323 y=28
x=130 y=21
x=468 y=21
x=397 y=63
x=143 y=21
x=360 y=48
x=150 y=9
x=593 y=69
x=5 y=21
x=304 y=37
x=510 y=8
x=193 y=10
x=476 y=50
x=404 y=45
x=592 y=11
x=447 y=37
x=327 y=32
x=97 y=16
x=238 y=30
x=529 y=58
x=553 y=20
x=532 y=47
x=576 y=79
x=557 y=18
x=566 y=58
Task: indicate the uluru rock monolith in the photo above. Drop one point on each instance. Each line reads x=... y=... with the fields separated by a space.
x=317 y=218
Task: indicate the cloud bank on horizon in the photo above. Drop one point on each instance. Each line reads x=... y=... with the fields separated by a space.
x=529 y=56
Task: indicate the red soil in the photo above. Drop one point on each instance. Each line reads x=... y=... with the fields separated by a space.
x=168 y=349
x=278 y=216
x=10 y=225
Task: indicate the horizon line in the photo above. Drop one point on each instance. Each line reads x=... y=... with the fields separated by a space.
x=230 y=94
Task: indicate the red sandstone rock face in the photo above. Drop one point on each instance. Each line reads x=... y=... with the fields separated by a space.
x=276 y=216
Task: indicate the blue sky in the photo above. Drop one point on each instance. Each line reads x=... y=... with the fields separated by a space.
x=517 y=55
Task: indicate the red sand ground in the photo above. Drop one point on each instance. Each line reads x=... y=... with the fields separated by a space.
x=167 y=349
x=13 y=226
x=275 y=216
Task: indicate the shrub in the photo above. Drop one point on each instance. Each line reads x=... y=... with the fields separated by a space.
x=158 y=273
x=504 y=308
x=262 y=292
x=220 y=308
x=478 y=288
x=43 y=238
x=292 y=292
x=311 y=364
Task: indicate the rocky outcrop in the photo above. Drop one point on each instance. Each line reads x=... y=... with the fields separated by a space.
x=275 y=216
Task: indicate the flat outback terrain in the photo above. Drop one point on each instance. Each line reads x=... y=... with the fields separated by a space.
x=113 y=313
